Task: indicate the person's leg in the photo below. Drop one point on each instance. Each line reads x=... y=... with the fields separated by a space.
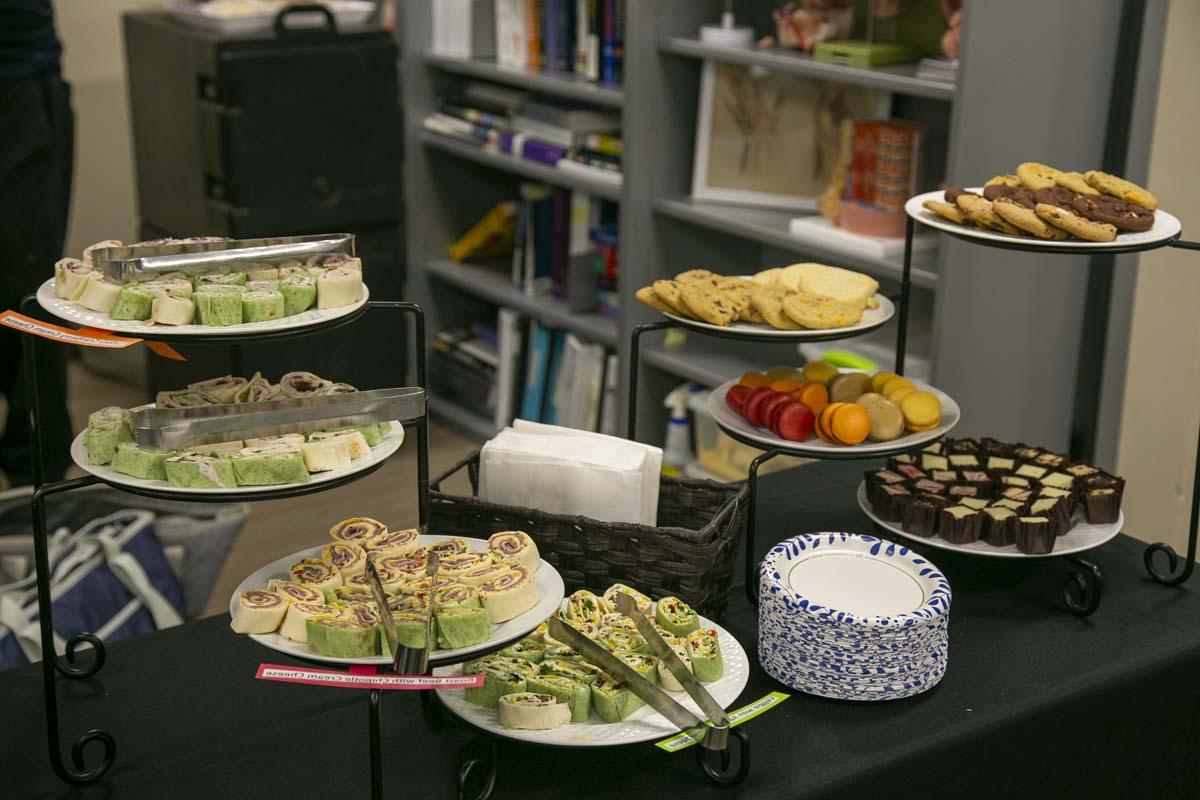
x=36 y=167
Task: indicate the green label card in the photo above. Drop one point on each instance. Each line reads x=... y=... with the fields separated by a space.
x=681 y=741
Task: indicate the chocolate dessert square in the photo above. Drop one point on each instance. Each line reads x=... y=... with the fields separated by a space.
x=930 y=487
x=882 y=477
x=1055 y=510
x=1059 y=480
x=1014 y=480
x=920 y=518
x=1024 y=452
x=944 y=475
x=1011 y=504
x=889 y=502
x=1034 y=535
x=1101 y=506
x=999 y=526
x=1031 y=471
x=993 y=447
x=977 y=503
x=911 y=471
x=964 y=445
x=1001 y=463
x=959 y=524
x=934 y=447
x=937 y=500
x=1051 y=460
x=1017 y=493
x=895 y=462
x=1082 y=470
x=964 y=460
x=932 y=461
x=964 y=491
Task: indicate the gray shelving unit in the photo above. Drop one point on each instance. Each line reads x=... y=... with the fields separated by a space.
x=990 y=315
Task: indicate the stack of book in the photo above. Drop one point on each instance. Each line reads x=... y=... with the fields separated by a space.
x=580 y=36
x=557 y=133
x=562 y=242
x=515 y=367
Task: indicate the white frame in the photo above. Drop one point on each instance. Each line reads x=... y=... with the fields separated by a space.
x=744 y=197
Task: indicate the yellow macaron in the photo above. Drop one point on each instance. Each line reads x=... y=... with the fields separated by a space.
x=922 y=411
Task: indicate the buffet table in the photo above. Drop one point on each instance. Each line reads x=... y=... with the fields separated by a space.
x=1035 y=701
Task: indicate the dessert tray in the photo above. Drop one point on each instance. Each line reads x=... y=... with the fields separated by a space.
x=1081 y=536
x=741 y=429
x=643 y=725
x=73 y=312
x=379 y=453
x=852 y=617
x=1167 y=228
x=546 y=580
x=872 y=318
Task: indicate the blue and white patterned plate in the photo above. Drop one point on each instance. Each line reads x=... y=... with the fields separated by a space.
x=853 y=617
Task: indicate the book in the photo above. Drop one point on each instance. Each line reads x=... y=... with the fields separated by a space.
x=533 y=33
x=491 y=236
x=477 y=116
x=609 y=69
x=610 y=405
x=587 y=38
x=464 y=28
x=559 y=242
x=573 y=117
x=493 y=97
x=509 y=349
x=540 y=279
x=603 y=143
x=558 y=27
x=551 y=134
x=599 y=174
x=522 y=145
x=537 y=365
x=550 y=413
x=511 y=47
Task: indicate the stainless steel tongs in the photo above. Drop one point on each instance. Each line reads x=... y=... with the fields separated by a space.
x=145 y=262
x=405 y=660
x=177 y=428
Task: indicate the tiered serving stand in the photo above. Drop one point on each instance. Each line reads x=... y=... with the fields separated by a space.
x=1166 y=232
x=71 y=668
x=1084 y=583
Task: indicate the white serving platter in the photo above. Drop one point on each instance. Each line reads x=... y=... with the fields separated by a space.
x=643 y=725
x=1082 y=536
x=547 y=580
x=872 y=318
x=73 y=312
x=380 y=452
x=1166 y=227
x=738 y=426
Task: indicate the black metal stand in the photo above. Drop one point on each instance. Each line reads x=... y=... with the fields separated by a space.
x=52 y=664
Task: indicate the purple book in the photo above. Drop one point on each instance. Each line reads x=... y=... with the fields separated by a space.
x=521 y=145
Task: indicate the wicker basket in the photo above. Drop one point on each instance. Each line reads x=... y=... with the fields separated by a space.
x=690 y=556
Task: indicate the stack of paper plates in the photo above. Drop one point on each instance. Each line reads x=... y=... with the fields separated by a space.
x=852 y=617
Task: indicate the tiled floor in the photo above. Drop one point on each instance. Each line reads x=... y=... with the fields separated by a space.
x=276 y=528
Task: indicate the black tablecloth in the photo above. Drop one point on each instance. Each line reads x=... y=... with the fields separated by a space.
x=1035 y=703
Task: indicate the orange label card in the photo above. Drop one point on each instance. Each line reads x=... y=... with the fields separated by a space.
x=88 y=337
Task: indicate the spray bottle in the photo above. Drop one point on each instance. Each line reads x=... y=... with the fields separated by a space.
x=677 y=450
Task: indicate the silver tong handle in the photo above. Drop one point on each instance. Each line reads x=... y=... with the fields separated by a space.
x=386 y=623
x=651 y=695
x=711 y=708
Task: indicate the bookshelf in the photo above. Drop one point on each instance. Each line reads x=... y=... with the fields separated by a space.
x=1023 y=317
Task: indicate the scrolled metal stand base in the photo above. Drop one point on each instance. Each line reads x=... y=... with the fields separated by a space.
x=1083 y=587
x=477 y=773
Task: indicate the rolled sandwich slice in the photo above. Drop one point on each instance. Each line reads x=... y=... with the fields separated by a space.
x=185 y=398
x=615 y=619
x=449 y=547
x=515 y=548
x=612 y=701
x=644 y=665
x=299 y=292
x=423 y=585
x=393 y=543
x=295 y=592
x=349 y=558
x=575 y=694
x=355 y=442
x=91 y=248
x=575 y=670
x=193 y=471
x=676 y=616
x=340 y=388
x=106 y=430
x=410 y=631
x=262 y=285
x=301 y=384
x=134 y=301
x=501 y=676
x=258 y=611
x=315 y=573
x=293 y=440
x=339 y=287
x=178 y=286
x=262 y=306
x=562 y=652
x=480 y=574
x=218 y=449
x=341 y=638
x=704 y=651
x=168 y=310
x=509 y=594
x=644 y=603
x=533 y=712
x=623 y=641
x=350 y=594
x=99 y=294
x=354 y=529
x=583 y=606
x=528 y=649
x=295 y=622
x=218 y=308
x=327 y=455
x=262 y=272
x=457 y=594
x=71 y=277
x=459 y=564
x=362 y=613
x=148 y=465
x=412 y=566
x=666 y=677
x=269 y=465
x=462 y=626
x=256 y=390
x=391 y=579
x=220 y=279
x=224 y=388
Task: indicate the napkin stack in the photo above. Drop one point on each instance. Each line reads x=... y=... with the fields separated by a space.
x=567 y=471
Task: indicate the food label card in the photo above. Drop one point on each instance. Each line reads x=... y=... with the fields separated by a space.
x=360 y=679
x=87 y=337
x=682 y=741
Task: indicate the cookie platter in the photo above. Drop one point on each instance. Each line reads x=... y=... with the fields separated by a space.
x=872 y=318
x=1166 y=229
x=740 y=428
x=545 y=580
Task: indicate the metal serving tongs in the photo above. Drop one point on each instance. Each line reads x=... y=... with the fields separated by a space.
x=712 y=737
x=177 y=428
x=148 y=261
x=405 y=660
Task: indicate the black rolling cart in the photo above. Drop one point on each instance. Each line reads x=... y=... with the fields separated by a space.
x=72 y=668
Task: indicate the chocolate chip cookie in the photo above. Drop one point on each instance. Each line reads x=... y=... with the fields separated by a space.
x=979 y=211
x=1036 y=176
x=1128 y=191
x=1075 y=224
x=1026 y=219
x=946 y=211
x=1118 y=213
x=1056 y=196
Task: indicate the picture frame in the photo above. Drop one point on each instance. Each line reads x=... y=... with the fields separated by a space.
x=769 y=139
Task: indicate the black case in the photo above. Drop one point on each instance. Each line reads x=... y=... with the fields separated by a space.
x=292 y=132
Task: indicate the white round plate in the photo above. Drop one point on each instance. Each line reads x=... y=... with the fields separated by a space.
x=872 y=318
x=74 y=313
x=380 y=452
x=1082 y=536
x=547 y=580
x=1166 y=227
x=643 y=725
x=732 y=422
